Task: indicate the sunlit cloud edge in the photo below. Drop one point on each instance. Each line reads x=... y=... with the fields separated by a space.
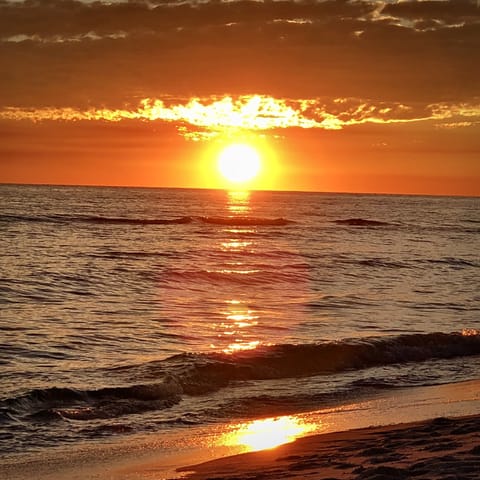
x=203 y=118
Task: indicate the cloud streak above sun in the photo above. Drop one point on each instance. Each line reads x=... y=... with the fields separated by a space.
x=259 y=113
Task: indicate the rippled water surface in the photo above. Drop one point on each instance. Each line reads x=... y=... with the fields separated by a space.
x=137 y=309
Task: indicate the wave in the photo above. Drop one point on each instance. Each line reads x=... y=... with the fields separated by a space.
x=95 y=219
x=230 y=221
x=256 y=274
x=290 y=360
x=200 y=374
x=361 y=222
x=454 y=262
x=136 y=221
x=245 y=221
x=381 y=263
x=117 y=254
x=68 y=403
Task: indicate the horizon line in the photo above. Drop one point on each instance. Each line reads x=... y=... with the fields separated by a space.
x=324 y=192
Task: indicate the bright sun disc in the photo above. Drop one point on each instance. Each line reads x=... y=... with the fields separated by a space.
x=239 y=163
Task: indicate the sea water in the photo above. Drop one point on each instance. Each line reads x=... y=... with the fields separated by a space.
x=131 y=310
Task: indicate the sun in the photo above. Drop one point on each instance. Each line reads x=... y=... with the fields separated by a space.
x=239 y=163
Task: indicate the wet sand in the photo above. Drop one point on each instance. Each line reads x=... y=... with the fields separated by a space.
x=442 y=448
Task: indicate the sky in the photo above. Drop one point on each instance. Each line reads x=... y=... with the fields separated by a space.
x=348 y=96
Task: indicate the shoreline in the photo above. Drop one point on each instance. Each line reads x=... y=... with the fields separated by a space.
x=432 y=449
x=161 y=456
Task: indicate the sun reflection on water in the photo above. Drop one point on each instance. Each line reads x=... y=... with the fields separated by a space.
x=238 y=202
x=238 y=319
x=237 y=271
x=268 y=433
x=241 y=346
x=235 y=244
x=235 y=331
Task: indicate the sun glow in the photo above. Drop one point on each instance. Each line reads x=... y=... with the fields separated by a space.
x=239 y=163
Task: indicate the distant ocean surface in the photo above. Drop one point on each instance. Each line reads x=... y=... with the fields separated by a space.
x=129 y=310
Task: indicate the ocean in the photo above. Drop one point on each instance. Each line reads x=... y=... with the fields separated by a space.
x=130 y=311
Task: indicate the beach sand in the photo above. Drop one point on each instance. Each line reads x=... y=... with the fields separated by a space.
x=442 y=448
x=439 y=449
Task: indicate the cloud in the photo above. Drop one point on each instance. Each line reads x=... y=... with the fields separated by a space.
x=45 y=18
x=445 y=11
x=70 y=17
x=67 y=52
x=199 y=118
x=62 y=39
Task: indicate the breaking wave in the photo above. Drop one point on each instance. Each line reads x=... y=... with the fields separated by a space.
x=209 y=372
x=109 y=402
x=167 y=381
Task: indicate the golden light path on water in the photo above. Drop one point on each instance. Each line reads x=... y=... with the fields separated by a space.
x=250 y=304
x=239 y=320
x=239 y=202
x=238 y=316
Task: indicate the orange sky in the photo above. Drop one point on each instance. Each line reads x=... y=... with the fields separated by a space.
x=363 y=96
